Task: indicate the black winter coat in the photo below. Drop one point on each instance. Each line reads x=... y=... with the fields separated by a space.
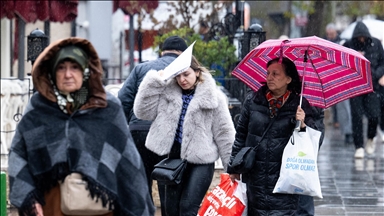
x=127 y=93
x=373 y=51
x=261 y=180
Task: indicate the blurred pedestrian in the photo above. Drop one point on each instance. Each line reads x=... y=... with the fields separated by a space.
x=332 y=34
x=204 y=31
x=368 y=104
x=279 y=99
x=341 y=112
x=191 y=120
x=283 y=37
x=72 y=125
x=172 y=47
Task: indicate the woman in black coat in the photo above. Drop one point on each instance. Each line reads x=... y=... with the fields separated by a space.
x=279 y=99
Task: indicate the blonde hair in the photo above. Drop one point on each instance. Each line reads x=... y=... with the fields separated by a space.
x=197 y=67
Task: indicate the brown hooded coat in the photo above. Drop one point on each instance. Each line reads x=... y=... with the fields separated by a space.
x=93 y=140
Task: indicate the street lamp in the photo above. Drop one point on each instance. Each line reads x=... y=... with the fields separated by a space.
x=36 y=43
x=251 y=38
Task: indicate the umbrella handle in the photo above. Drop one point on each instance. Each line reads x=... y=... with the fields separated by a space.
x=298 y=125
x=303 y=81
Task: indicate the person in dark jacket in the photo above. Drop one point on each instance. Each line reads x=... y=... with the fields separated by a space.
x=171 y=49
x=368 y=104
x=280 y=99
x=331 y=33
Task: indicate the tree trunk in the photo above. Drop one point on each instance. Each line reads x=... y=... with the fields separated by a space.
x=315 y=20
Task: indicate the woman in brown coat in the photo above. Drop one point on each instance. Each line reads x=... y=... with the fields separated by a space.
x=72 y=125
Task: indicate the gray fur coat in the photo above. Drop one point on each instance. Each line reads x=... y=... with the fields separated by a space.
x=208 y=130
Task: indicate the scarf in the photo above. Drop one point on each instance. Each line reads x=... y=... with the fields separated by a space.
x=187 y=97
x=78 y=98
x=276 y=104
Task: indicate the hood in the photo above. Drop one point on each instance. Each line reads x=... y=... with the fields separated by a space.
x=43 y=64
x=361 y=30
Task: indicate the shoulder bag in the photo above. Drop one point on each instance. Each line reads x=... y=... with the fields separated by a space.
x=169 y=171
x=244 y=159
x=76 y=198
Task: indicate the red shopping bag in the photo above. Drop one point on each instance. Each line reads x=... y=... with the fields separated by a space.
x=226 y=199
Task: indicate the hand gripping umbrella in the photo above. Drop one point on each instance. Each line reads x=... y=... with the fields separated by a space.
x=330 y=72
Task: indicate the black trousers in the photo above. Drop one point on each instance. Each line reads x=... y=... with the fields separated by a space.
x=185 y=199
x=149 y=159
x=368 y=104
x=306 y=206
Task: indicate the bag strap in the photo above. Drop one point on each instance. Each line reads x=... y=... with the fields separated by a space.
x=266 y=130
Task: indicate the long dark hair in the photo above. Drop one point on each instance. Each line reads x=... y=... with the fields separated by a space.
x=291 y=71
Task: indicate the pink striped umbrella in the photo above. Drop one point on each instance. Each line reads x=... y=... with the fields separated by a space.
x=330 y=72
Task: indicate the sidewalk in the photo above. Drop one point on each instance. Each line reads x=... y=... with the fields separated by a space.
x=350 y=186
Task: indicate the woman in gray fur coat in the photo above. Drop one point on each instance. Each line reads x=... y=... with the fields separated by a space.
x=191 y=121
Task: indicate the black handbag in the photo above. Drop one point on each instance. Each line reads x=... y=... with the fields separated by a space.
x=245 y=158
x=169 y=171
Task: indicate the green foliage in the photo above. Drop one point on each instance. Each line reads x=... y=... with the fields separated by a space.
x=361 y=8
x=221 y=52
x=377 y=8
x=305 y=6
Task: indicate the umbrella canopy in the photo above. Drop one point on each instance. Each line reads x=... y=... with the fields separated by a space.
x=331 y=73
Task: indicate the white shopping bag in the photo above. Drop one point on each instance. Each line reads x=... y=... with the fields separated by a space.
x=298 y=172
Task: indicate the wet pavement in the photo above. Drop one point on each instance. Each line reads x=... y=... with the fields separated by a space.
x=350 y=186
